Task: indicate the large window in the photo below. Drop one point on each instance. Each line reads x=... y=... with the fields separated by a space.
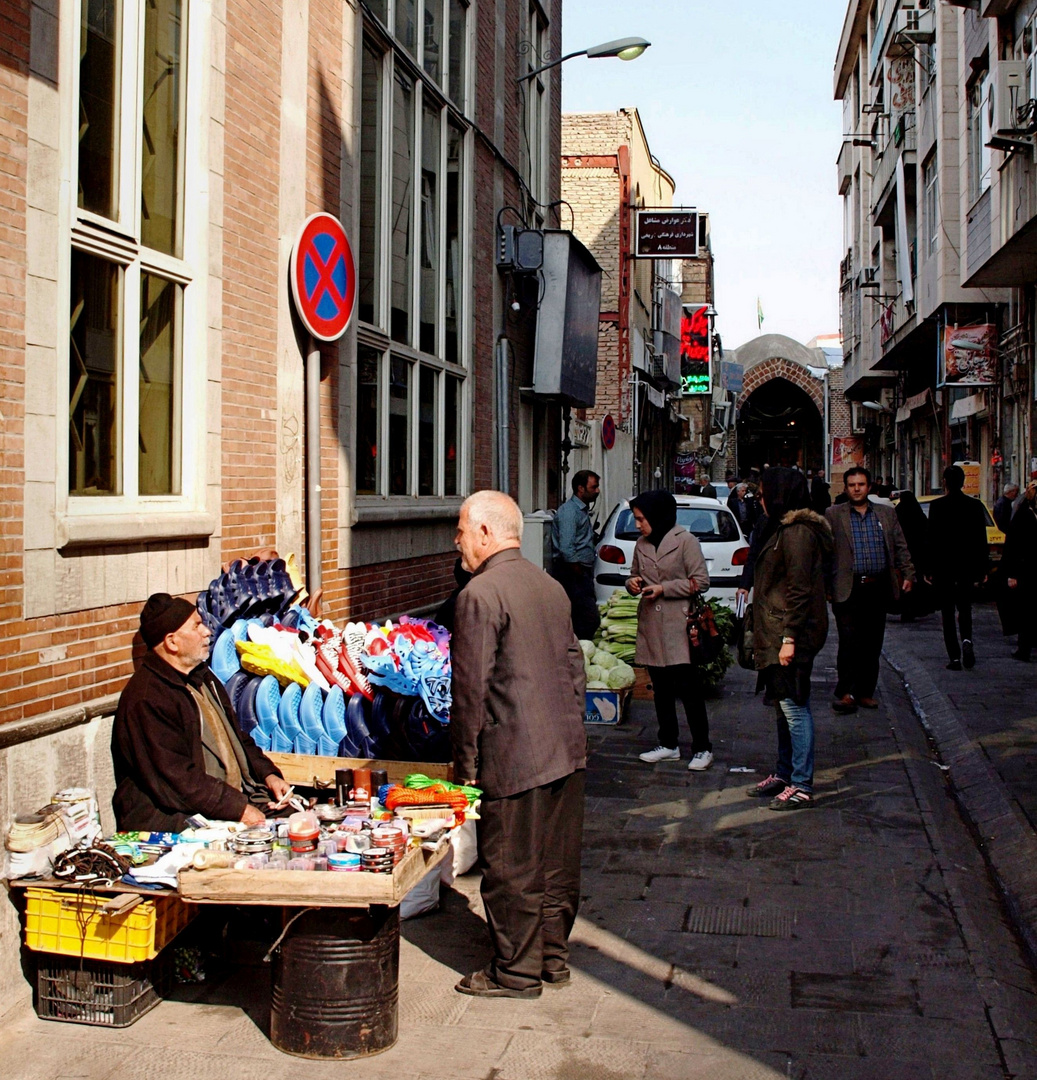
x=930 y=206
x=128 y=278
x=980 y=114
x=412 y=250
x=535 y=52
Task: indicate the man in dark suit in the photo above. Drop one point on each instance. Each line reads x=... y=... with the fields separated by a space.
x=959 y=560
x=870 y=567
x=517 y=730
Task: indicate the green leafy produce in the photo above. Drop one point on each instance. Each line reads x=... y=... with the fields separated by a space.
x=621 y=676
x=594 y=673
x=604 y=659
x=589 y=649
x=712 y=674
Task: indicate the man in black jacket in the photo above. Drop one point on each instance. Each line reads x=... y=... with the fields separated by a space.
x=176 y=746
x=960 y=559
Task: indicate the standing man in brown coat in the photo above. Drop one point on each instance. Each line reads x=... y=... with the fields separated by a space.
x=870 y=568
x=517 y=731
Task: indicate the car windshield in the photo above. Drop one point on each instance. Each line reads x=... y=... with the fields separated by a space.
x=986 y=513
x=717 y=526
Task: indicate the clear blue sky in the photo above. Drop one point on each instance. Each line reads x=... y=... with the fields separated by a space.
x=736 y=100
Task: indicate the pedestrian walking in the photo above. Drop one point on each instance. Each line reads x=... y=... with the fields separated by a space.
x=871 y=567
x=572 y=548
x=743 y=506
x=1004 y=507
x=790 y=626
x=915 y=526
x=517 y=731
x=1020 y=568
x=667 y=569
x=959 y=560
x=820 y=495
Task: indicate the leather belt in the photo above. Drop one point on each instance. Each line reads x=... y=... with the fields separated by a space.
x=869 y=579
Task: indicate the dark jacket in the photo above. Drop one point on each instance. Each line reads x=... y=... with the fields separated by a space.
x=958 y=531
x=1002 y=513
x=516 y=721
x=1020 y=557
x=159 y=755
x=789 y=592
x=897 y=555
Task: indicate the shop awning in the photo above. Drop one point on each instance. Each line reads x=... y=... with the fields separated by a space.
x=916 y=401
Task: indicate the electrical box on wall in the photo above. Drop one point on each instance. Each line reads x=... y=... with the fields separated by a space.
x=519 y=250
x=565 y=365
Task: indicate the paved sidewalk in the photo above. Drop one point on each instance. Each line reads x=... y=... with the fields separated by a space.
x=983 y=724
x=858 y=939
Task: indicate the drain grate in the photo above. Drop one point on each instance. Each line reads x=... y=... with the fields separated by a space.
x=737 y=921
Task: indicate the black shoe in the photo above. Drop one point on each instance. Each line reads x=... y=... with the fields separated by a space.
x=968 y=655
x=954 y=665
x=479 y=984
x=768 y=788
x=844 y=705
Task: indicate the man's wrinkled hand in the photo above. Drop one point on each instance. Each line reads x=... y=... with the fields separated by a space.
x=253 y=816
x=279 y=788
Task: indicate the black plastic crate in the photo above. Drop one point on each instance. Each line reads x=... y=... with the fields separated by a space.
x=99 y=992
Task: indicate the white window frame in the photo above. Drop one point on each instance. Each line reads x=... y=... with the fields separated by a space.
x=979 y=133
x=537 y=91
x=930 y=203
x=129 y=516
x=377 y=335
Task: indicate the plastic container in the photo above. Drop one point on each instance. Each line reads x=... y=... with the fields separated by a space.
x=99 y=992
x=72 y=924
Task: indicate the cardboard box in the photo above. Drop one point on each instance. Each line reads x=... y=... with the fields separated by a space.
x=605 y=706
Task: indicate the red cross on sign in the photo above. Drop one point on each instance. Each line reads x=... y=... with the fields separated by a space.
x=323 y=276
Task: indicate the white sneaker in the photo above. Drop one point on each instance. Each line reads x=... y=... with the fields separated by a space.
x=702 y=760
x=660 y=753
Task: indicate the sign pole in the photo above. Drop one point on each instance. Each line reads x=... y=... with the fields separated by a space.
x=313 y=515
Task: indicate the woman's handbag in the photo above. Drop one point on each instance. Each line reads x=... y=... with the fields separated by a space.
x=704 y=640
x=746 y=654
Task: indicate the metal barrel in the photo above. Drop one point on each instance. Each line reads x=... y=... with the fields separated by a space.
x=336 y=983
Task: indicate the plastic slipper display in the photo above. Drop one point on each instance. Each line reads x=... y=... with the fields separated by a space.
x=268 y=700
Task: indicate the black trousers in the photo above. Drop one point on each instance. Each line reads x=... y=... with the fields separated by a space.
x=861 y=621
x=529 y=851
x=681 y=681
x=580 y=590
x=955 y=594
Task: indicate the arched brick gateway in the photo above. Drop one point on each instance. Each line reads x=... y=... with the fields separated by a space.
x=781 y=368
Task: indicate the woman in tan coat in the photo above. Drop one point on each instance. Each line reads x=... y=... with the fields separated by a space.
x=668 y=567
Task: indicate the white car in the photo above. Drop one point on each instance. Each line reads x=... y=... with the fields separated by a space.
x=723 y=545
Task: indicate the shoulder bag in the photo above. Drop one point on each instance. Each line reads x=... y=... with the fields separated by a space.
x=704 y=640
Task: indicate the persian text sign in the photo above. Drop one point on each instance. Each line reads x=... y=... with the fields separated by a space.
x=667 y=234
x=968 y=355
x=695 y=350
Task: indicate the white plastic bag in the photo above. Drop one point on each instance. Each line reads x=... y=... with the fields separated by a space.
x=464 y=850
x=423 y=897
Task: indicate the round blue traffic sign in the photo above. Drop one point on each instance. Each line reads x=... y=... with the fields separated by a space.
x=323 y=276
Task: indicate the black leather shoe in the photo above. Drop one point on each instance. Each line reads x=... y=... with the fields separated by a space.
x=954 y=665
x=479 y=984
x=968 y=655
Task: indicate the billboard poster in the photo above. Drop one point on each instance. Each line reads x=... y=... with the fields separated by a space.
x=968 y=355
x=846 y=452
x=685 y=469
x=695 y=350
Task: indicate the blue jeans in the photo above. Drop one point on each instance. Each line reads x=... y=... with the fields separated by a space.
x=795 y=744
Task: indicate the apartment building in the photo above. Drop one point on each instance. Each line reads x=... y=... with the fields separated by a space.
x=608 y=174
x=916 y=171
x=158 y=162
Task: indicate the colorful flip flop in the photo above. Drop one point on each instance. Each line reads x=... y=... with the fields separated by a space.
x=261 y=739
x=247 y=719
x=288 y=710
x=334 y=715
x=235 y=684
x=310 y=711
x=304 y=744
x=280 y=743
x=225 y=661
x=268 y=699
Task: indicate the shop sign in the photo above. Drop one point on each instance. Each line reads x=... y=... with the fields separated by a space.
x=667 y=234
x=847 y=451
x=695 y=350
x=971 y=470
x=968 y=355
x=731 y=376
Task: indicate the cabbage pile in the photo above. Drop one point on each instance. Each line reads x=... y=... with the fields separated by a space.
x=605 y=671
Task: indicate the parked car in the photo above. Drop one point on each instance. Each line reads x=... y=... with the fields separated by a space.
x=723 y=545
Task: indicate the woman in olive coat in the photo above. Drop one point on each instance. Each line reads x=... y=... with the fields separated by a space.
x=668 y=567
x=790 y=624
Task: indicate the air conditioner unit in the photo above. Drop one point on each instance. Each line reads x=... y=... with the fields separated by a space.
x=1009 y=95
x=916 y=25
x=869 y=275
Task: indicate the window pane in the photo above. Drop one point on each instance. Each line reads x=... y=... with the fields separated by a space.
x=433 y=53
x=370 y=186
x=458 y=41
x=158 y=437
x=161 y=112
x=454 y=244
x=427 y=432
x=94 y=363
x=381 y=9
x=430 y=153
x=407 y=24
x=399 y=427
x=368 y=397
x=452 y=437
x=402 y=206
x=99 y=105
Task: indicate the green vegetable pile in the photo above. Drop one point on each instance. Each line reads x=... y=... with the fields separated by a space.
x=617 y=636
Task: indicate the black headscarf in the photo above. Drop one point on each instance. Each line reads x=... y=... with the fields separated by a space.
x=783 y=490
x=915 y=527
x=660 y=511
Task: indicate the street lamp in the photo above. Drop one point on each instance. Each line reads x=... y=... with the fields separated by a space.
x=629 y=48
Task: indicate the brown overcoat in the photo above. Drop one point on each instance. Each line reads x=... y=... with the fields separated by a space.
x=516 y=721
x=662 y=637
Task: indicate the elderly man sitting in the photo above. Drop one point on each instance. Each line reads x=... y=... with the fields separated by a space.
x=176 y=746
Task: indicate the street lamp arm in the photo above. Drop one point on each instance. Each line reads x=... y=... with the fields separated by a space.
x=547 y=67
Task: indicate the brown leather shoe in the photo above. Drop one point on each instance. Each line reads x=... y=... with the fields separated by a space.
x=867 y=703
x=845 y=704
x=479 y=984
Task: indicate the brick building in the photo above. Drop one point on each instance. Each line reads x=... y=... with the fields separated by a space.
x=608 y=174
x=158 y=161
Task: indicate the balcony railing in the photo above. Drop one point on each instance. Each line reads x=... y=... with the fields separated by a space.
x=891 y=316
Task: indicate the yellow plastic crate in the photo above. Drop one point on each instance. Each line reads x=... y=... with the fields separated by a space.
x=72 y=924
